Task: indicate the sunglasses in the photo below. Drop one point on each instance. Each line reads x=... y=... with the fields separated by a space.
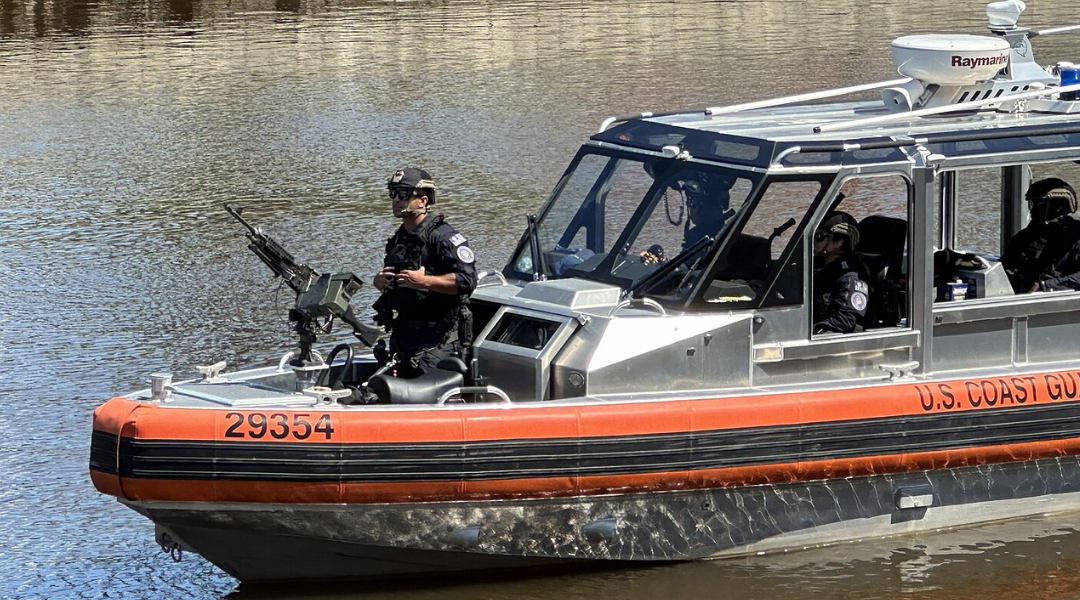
x=821 y=236
x=401 y=194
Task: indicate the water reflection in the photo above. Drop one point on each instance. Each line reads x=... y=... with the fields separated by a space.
x=125 y=125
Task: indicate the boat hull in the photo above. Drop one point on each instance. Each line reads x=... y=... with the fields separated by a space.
x=333 y=492
x=258 y=542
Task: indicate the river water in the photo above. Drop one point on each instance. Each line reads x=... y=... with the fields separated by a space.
x=124 y=126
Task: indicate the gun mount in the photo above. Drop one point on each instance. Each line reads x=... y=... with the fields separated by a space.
x=319 y=298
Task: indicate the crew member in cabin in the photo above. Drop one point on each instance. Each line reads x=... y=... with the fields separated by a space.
x=428 y=274
x=841 y=291
x=1045 y=255
x=708 y=200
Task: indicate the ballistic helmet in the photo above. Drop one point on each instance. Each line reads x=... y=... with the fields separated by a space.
x=1050 y=199
x=412 y=178
x=842 y=225
x=703 y=189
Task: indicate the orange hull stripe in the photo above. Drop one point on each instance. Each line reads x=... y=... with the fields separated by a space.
x=429 y=424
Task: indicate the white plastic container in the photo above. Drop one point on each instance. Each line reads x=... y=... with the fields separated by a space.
x=950 y=59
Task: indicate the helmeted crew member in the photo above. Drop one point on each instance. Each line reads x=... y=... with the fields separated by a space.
x=1045 y=255
x=707 y=200
x=841 y=291
x=427 y=277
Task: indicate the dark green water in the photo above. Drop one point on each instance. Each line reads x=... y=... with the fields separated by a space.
x=125 y=125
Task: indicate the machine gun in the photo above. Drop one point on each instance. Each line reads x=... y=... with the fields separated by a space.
x=317 y=296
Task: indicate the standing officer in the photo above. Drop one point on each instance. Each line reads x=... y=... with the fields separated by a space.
x=841 y=291
x=427 y=277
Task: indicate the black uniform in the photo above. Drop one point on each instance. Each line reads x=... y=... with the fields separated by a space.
x=1045 y=253
x=841 y=295
x=422 y=322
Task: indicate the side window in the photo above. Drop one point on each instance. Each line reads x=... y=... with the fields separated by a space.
x=564 y=228
x=969 y=243
x=979 y=256
x=1044 y=256
x=621 y=199
x=693 y=204
x=746 y=266
x=861 y=267
x=978 y=192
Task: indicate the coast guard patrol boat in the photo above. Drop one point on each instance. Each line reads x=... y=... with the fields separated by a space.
x=645 y=382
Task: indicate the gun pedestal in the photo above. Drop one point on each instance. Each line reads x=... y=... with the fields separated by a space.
x=307 y=376
x=306 y=368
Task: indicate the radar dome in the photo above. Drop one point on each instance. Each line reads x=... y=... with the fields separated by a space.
x=950 y=59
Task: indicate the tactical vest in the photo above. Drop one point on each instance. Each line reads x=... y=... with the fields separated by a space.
x=407 y=252
x=829 y=274
x=1036 y=259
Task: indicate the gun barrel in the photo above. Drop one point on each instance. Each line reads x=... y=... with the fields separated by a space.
x=298 y=276
x=236 y=215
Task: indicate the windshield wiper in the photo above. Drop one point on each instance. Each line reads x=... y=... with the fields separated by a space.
x=539 y=269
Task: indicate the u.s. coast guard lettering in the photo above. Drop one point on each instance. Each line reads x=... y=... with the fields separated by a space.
x=999 y=391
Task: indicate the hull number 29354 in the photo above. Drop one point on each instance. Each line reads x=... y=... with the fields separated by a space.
x=279 y=426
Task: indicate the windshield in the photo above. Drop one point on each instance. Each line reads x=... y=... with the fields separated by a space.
x=621 y=218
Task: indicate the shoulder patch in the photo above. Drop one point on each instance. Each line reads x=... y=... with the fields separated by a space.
x=858 y=301
x=465 y=254
x=457 y=239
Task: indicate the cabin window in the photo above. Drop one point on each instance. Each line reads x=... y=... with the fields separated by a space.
x=970 y=221
x=574 y=218
x=879 y=208
x=633 y=221
x=524 y=332
x=745 y=268
x=692 y=205
x=589 y=213
x=978 y=202
x=977 y=217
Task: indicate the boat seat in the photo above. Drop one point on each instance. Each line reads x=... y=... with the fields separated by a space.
x=887 y=236
x=884 y=306
x=748 y=260
x=424 y=389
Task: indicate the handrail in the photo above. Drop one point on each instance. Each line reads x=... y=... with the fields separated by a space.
x=937 y=110
x=902 y=141
x=1058 y=30
x=473 y=389
x=483 y=274
x=721 y=110
x=285 y=358
x=649 y=302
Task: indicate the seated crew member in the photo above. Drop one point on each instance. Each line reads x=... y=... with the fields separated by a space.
x=1045 y=255
x=428 y=274
x=841 y=291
